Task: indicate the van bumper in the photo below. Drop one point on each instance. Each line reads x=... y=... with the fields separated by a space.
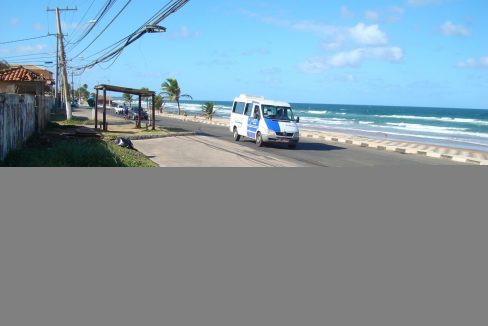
x=282 y=140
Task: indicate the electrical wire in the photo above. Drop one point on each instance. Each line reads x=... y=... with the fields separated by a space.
x=25 y=39
x=106 y=27
x=108 y=5
x=79 y=22
x=113 y=52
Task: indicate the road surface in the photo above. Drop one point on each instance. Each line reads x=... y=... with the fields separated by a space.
x=311 y=152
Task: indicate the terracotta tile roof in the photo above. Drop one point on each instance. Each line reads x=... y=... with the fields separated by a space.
x=20 y=74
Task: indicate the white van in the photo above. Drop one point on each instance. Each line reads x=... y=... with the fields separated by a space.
x=264 y=121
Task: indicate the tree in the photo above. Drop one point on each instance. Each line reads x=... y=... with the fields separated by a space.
x=83 y=92
x=127 y=99
x=148 y=99
x=158 y=103
x=208 y=110
x=173 y=92
x=4 y=64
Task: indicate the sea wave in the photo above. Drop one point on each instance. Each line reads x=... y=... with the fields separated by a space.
x=452 y=131
x=443 y=119
x=322 y=121
x=317 y=112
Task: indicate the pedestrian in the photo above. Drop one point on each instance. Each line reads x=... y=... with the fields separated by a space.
x=126 y=111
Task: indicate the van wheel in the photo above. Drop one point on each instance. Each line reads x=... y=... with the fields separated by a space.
x=236 y=135
x=292 y=146
x=259 y=140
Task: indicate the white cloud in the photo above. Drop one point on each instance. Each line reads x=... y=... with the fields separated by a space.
x=397 y=10
x=422 y=2
x=183 y=33
x=451 y=29
x=346 y=13
x=69 y=26
x=368 y=35
x=335 y=36
x=30 y=48
x=352 y=58
x=315 y=27
x=38 y=26
x=313 y=66
x=356 y=56
x=372 y=15
x=331 y=45
x=474 y=63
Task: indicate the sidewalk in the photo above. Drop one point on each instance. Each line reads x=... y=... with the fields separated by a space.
x=205 y=151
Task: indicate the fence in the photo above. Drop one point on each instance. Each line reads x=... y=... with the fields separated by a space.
x=20 y=117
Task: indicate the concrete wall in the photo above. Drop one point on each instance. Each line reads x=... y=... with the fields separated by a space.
x=21 y=116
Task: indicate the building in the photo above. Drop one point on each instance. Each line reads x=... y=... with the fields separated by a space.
x=22 y=80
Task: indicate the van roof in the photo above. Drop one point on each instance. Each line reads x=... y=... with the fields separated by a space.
x=260 y=99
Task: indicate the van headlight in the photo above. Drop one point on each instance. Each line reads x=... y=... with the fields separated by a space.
x=296 y=135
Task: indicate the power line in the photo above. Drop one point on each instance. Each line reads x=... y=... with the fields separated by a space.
x=108 y=25
x=26 y=39
x=170 y=8
x=108 y=5
x=82 y=19
x=30 y=55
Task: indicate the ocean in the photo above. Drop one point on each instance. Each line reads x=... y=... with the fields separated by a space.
x=460 y=128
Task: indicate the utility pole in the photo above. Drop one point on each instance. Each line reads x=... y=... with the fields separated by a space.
x=64 y=74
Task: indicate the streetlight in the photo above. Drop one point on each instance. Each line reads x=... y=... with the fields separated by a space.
x=155 y=29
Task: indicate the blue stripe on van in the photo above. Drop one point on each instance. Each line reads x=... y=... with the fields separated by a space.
x=252 y=127
x=272 y=125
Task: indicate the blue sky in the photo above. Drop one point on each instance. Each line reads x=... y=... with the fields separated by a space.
x=405 y=52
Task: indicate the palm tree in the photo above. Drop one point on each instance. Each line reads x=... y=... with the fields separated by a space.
x=172 y=90
x=208 y=110
x=127 y=98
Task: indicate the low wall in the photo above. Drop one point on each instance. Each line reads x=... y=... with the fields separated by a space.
x=20 y=117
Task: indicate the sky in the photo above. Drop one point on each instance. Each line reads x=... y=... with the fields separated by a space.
x=431 y=53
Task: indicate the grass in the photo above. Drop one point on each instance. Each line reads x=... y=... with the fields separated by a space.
x=51 y=150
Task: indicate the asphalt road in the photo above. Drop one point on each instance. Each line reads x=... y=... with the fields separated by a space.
x=311 y=152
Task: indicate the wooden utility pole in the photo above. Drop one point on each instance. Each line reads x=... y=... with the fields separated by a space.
x=64 y=74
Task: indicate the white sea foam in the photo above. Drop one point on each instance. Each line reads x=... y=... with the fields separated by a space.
x=435 y=130
x=425 y=128
x=317 y=112
x=322 y=121
x=443 y=119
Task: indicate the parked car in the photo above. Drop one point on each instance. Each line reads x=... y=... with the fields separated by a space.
x=74 y=103
x=134 y=114
x=119 y=109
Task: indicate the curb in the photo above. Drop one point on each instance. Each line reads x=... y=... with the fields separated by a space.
x=396 y=149
x=144 y=137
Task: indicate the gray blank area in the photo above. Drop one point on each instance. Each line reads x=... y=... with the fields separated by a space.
x=380 y=246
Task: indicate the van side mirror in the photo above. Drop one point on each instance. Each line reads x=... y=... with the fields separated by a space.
x=298 y=119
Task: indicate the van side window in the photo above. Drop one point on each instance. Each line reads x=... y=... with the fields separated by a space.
x=238 y=108
x=256 y=111
x=248 y=110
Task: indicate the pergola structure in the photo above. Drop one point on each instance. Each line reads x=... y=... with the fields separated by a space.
x=119 y=89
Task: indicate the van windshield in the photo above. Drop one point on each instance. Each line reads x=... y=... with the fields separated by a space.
x=280 y=113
